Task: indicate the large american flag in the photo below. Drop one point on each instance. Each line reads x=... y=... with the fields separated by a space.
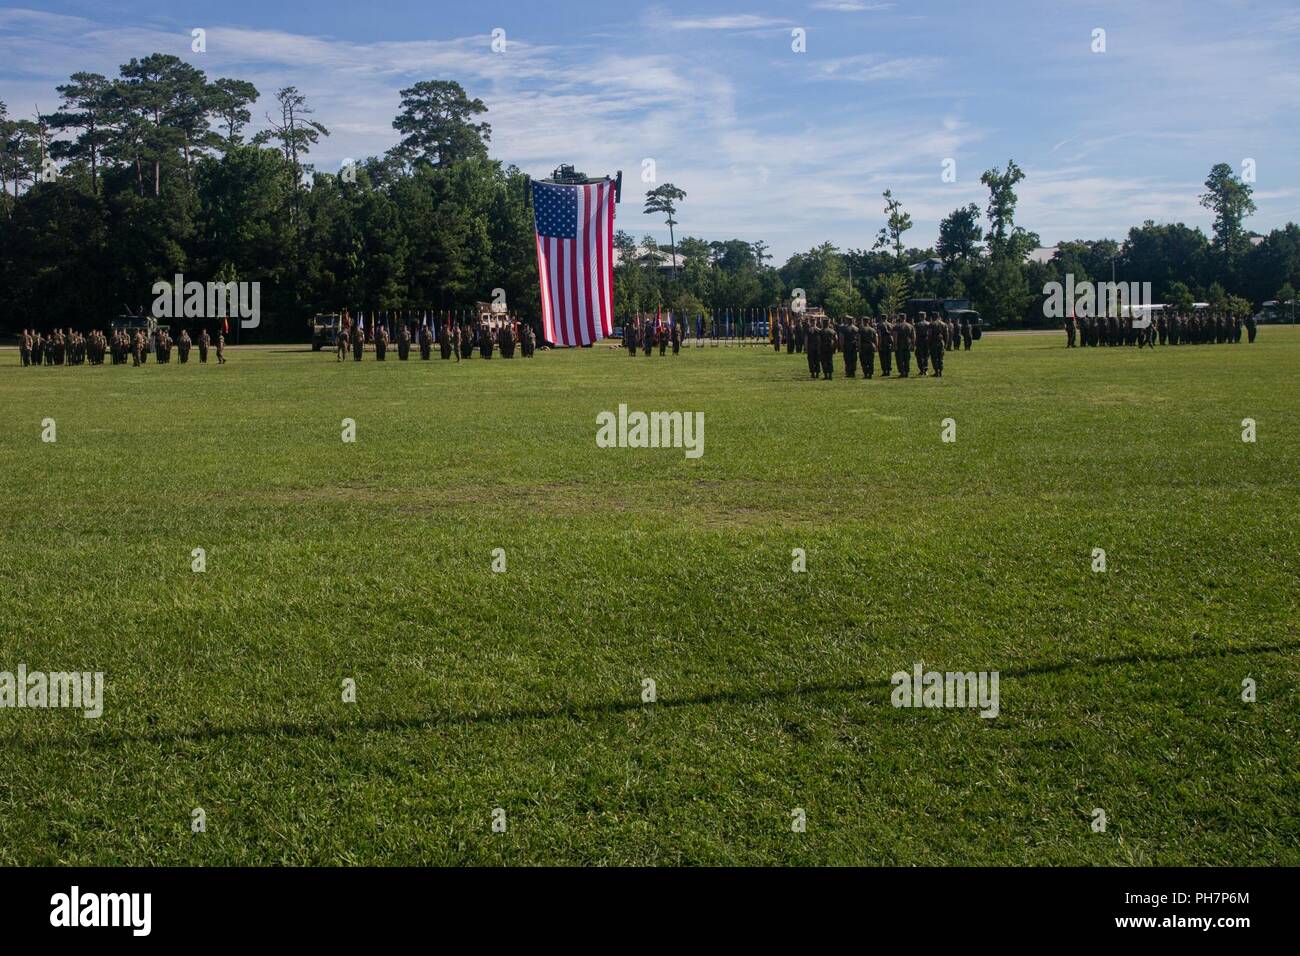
x=575 y=268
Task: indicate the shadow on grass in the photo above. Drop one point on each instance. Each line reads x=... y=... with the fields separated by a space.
x=605 y=708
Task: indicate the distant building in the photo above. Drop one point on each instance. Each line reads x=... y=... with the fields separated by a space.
x=653 y=258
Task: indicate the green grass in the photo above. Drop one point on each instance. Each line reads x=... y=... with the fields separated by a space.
x=521 y=690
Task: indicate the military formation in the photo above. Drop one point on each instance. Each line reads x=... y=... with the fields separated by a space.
x=864 y=341
x=70 y=347
x=1178 y=328
x=454 y=339
x=646 y=335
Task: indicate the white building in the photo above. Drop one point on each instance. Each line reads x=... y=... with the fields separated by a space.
x=657 y=258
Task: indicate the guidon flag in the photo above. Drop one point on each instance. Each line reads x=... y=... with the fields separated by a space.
x=575 y=260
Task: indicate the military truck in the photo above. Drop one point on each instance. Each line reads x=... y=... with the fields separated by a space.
x=325 y=330
x=143 y=323
x=1274 y=311
x=147 y=324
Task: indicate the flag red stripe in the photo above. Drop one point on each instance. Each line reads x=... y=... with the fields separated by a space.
x=545 y=289
x=569 y=269
x=601 y=264
x=590 y=260
x=607 y=247
x=580 y=270
x=557 y=288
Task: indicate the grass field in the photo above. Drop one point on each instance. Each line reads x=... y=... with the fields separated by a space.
x=522 y=690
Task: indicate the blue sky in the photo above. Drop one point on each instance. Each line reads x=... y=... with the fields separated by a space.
x=790 y=148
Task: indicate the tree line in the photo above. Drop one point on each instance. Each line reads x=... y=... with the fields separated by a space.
x=150 y=173
x=983 y=255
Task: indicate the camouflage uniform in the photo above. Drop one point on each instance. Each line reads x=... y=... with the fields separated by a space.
x=936 y=356
x=867 y=341
x=903 y=337
x=813 y=350
x=826 y=349
x=886 y=330
x=924 y=329
x=850 y=338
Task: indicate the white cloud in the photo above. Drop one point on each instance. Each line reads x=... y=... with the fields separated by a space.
x=872 y=67
x=851 y=6
x=735 y=21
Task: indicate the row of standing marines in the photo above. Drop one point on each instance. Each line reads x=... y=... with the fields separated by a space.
x=1179 y=328
x=646 y=335
x=454 y=339
x=71 y=347
x=893 y=343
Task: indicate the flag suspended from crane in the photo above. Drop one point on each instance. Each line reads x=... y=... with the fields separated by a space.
x=575 y=260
